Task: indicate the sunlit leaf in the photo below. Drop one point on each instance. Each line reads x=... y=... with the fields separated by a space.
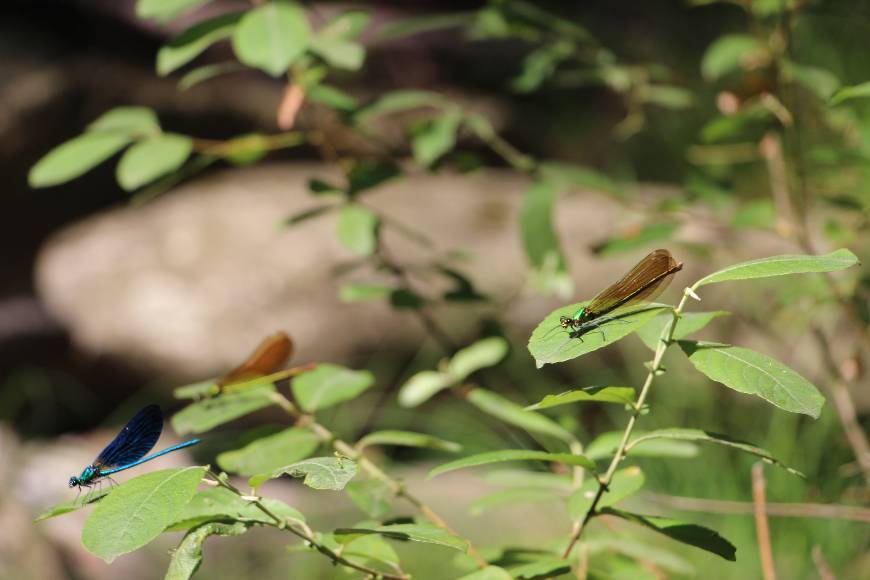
x=76 y=157
x=164 y=10
x=207 y=414
x=618 y=395
x=220 y=504
x=436 y=137
x=509 y=412
x=754 y=373
x=187 y=557
x=488 y=573
x=192 y=42
x=782 y=265
x=604 y=446
x=484 y=353
x=360 y=291
x=132 y=121
x=138 y=510
x=71 y=506
x=426 y=533
x=272 y=36
x=358 y=229
x=329 y=385
x=330 y=473
x=152 y=158
x=423 y=386
x=408 y=439
x=689 y=323
x=269 y=453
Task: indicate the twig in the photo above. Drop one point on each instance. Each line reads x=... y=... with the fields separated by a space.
x=327 y=436
x=772 y=509
x=307 y=536
x=822 y=567
x=654 y=368
x=762 y=529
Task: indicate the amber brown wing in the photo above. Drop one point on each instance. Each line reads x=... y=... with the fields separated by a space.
x=645 y=281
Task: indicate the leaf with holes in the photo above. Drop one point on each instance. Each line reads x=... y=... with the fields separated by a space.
x=330 y=473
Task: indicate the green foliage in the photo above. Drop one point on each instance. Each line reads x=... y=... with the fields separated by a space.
x=76 y=157
x=782 y=265
x=513 y=414
x=194 y=41
x=358 y=229
x=618 y=395
x=269 y=453
x=754 y=373
x=423 y=532
x=728 y=54
x=541 y=241
x=138 y=511
x=271 y=37
x=207 y=414
x=624 y=483
x=188 y=556
x=152 y=158
x=408 y=439
x=220 y=504
x=327 y=473
x=689 y=323
x=512 y=455
x=329 y=385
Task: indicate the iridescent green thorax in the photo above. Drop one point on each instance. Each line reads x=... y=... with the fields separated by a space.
x=88 y=474
x=579 y=315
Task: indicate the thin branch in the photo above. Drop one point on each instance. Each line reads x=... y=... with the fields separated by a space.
x=398 y=488
x=307 y=536
x=822 y=567
x=772 y=509
x=762 y=528
x=655 y=368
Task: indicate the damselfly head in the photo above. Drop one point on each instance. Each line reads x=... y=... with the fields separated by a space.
x=74 y=481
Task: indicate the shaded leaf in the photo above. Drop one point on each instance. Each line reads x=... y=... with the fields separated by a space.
x=138 y=510
x=727 y=54
x=719 y=439
x=329 y=385
x=570 y=175
x=860 y=91
x=512 y=455
x=271 y=37
x=619 y=395
x=76 y=157
x=365 y=175
x=207 y=72
x=398 y=101
x=510 y=412
x=782 y=265
x=647 y=236
x=404 y=298
x=426 y=23
x=270 y=453
x=604 y=446
x=71 y=506
x=528 y=479
x=408 y=439
x=371 y=496
x=512 y=496
x=358 y=229
x=192 y=42
x=691 y=534
x=625 y=482
x=338 y=53
x=488 y=573
x=546 y=568
x=540 y=239
x=418 y=532
x=331 y=97
x=152 y=158
x=331 y=473
x=207 y=414
x=551 y=344
x=308 y=214
x=218 y=503
x=754 y=373
x=187 y=557
x=164 y=10
x=436 y=137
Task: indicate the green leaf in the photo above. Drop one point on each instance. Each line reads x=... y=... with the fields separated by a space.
x=71 y=506
x=371 y=496
x=860 y=91
x=668 y=96
x=727 y=54
x=604 y=446
x=332 y=97
x=165 y=9
x=691 y=534
x=510 y=412
x=540 y=239
x=689 y=323
x=188 y=555
x=396 y=102
x=427 y=23
x=131 y=121
x=649 y=235
x=569 y=175
x=513 y=496
x=408 y=439
x=338 y=53
x=218 y=503
x=640 y=552
x=365 y=175
x=618 y=395
x=484 y=353
x=545 y=568
x=512 y=455
x=488 y=573
x=360 y=291
x=421 y=532
x=75 y=157
x=625 y=482
x=551 y=344
x=358 y=229
x=153 y=158
x=329 y=385
x=540 y=64
x=436 y=137
x=307 y=214
x=270 y=453
x=754 y=373
x=782 y=265
x=367 y=549
x=819 y=81
x=192 y=42
x=707 y=436
x=207 y=72
x=138 y=510
x=331 y=473
x=423 y=386
x=271 y=37
x=207 y=414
